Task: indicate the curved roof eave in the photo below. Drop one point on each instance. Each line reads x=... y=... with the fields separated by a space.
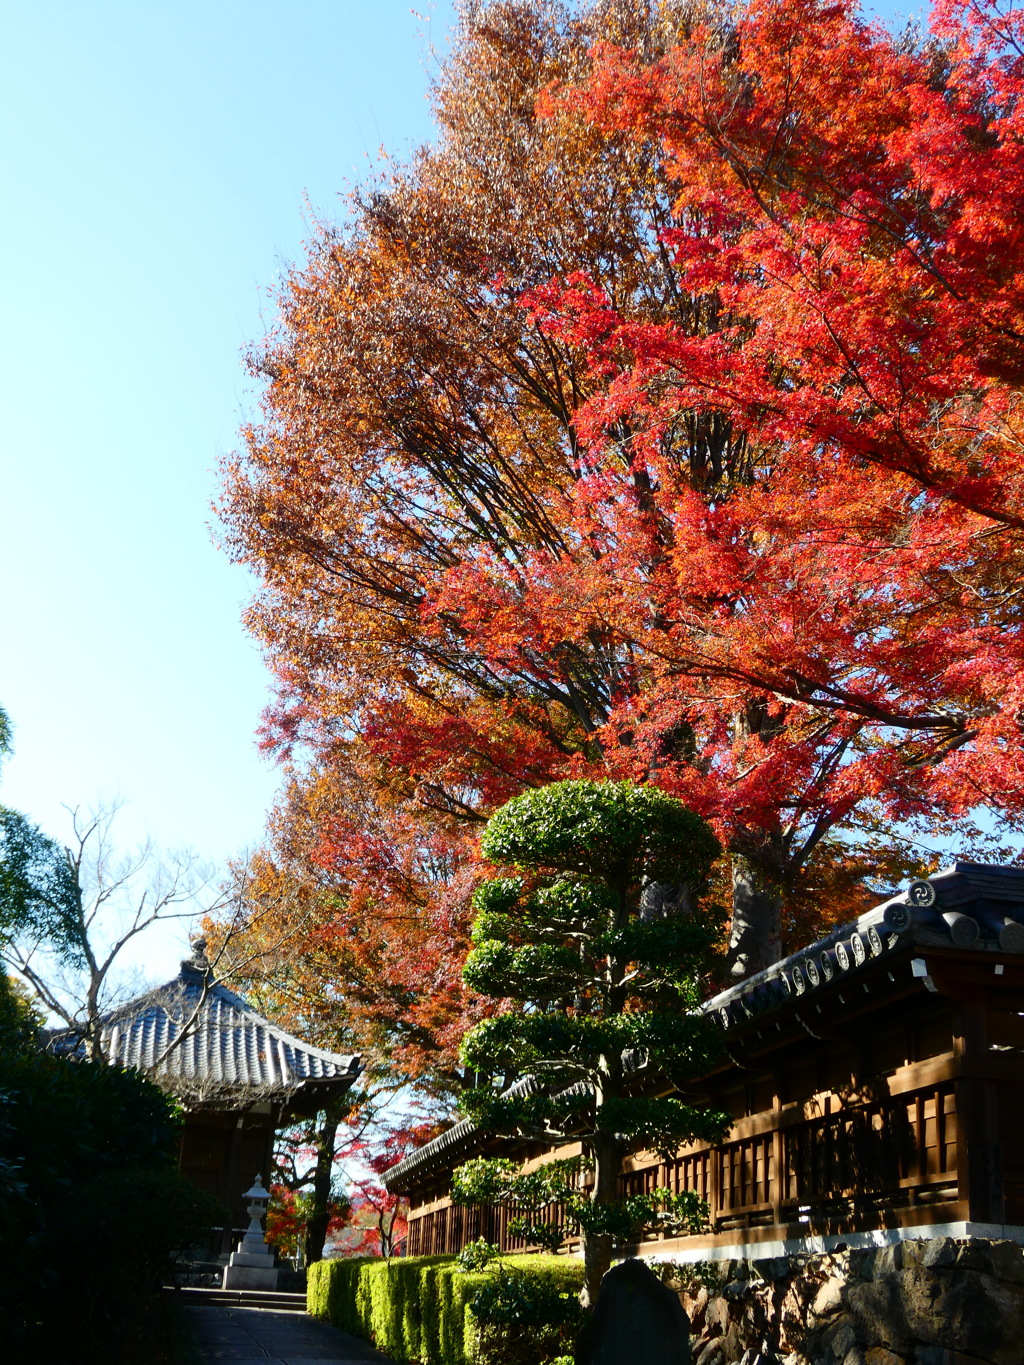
x=197 y=1039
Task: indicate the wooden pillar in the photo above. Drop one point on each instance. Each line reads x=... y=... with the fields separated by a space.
x=274 y=1122
x=232 y=1189
x=979 y=1158
x=715 y=1196
x=778 y=1160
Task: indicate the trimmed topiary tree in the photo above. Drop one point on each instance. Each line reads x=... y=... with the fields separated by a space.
x=607 y=996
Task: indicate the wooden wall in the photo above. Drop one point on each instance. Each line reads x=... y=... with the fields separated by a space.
x=222 y=1152
x=907 y=1112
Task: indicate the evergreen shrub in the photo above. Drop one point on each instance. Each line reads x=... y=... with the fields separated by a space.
x=91 y=1207
x=523 y=1317
x=424 y=1310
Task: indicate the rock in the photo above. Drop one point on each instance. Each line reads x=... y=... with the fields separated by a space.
x=734 y=1290
x=716 y=1319
x=774 y=1268
x=877 y=1308
x=886 y=1261
x=695 y=1306
x=937 y=1355
x=636 y=1319
x=937 y=1301
x=801 y=1293
x=963 y=1308
x=940 y=1252
x=754 y=1313
x=836 y=1263
x=713 y=1353
x=792 y=1315
x=921 y=1294
x=839 y=1338
x=829 y=1298
x=734 y=1343
x=881 y=1355
x=1004 y=1260
x=861 y=1262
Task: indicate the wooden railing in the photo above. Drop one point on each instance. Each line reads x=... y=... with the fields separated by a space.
x=827 y=1159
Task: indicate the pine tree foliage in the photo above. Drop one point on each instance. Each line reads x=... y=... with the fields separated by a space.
x=603 y=1005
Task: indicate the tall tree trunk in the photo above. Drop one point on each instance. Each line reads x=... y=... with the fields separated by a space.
x=325 y=1144
x=758 y=861
x=755 y=940
x=665 y=900
x=597 y=1246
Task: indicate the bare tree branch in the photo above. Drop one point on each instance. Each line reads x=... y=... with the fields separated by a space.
x=119 y=898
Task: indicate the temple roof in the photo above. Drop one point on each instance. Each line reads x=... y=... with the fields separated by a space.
x=972 y=909
x=199 y=1040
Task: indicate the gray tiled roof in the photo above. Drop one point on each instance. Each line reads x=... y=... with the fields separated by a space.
x=226 y=1047
x=972 y=907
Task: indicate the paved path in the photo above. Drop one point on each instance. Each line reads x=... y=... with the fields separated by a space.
x=262 y=1336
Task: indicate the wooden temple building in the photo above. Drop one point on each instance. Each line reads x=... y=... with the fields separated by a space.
x=876 y=1083
x=238 y=1077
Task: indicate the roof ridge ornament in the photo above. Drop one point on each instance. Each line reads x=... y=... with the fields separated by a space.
x=198 y=962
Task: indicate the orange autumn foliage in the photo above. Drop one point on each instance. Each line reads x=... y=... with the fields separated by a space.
x=357 y=932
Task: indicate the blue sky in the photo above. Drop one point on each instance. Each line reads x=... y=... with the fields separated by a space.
x=159 y=165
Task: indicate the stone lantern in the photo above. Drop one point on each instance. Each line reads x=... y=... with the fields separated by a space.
x=252 y=1265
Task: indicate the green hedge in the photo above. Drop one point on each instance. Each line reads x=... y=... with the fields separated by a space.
x=418 y=1310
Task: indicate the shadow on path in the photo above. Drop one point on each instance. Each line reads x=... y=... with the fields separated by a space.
x=261 y=1336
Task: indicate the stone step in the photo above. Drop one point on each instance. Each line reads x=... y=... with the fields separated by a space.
x=240 y=1298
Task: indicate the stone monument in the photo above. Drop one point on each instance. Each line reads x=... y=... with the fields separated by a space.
x=252 y=1265
x=636 y=1319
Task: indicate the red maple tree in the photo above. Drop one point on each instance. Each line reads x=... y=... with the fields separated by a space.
x=357 y=1215
x=664 y=428
x=847 y=228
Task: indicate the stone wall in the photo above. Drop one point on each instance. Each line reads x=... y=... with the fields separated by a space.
x=940 y=1302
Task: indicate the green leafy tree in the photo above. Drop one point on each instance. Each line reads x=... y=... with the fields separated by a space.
x=607 y=988
x=38 y=890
